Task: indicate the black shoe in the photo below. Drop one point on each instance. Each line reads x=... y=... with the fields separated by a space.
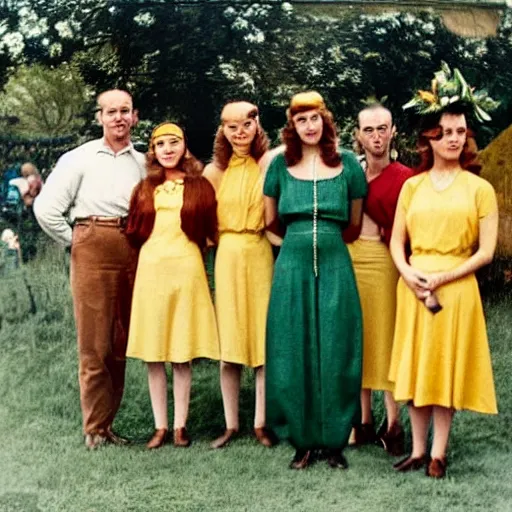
x=302 y=459
x=336 y=459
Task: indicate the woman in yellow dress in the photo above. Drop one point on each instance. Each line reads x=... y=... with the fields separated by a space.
x=440 y=361
x=244 y=261
x=173 y=214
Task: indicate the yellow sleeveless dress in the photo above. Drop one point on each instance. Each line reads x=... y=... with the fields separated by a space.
x=172 y=316
x=243 y=266
x=444 y=359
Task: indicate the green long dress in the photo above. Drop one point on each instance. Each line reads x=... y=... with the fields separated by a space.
x=314 y=325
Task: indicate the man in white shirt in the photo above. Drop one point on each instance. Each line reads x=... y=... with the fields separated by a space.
x=90 y=189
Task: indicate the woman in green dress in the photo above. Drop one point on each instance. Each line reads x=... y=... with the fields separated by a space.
x=314 y=328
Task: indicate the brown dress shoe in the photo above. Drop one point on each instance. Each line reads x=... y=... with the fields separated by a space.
x=393 y=440
x=302 y=459
x=181 y=438
x=93 y=441
x=411 y=463
x=158 y=440
x=225 y=438
x=436 y=468
x=265 y=437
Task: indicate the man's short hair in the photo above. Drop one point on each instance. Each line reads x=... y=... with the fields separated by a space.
x=99 y=108
x=374 y=106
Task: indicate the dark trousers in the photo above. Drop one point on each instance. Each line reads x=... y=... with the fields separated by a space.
x=102 y=274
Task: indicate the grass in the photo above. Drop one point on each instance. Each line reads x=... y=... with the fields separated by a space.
x=45 y=467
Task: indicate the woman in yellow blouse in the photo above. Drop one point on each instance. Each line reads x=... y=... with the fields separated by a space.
x=441 y=361
x=244 y=261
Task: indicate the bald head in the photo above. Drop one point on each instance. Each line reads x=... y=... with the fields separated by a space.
x=117 y=116
x=113 y=95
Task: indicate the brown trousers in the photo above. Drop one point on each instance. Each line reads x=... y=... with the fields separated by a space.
x=102 y=274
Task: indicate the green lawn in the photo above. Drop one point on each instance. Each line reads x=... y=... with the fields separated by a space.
x=45 y=467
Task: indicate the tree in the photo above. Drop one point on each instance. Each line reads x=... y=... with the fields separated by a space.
x=41 y=101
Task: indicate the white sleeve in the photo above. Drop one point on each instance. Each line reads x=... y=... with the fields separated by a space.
x=56 y=198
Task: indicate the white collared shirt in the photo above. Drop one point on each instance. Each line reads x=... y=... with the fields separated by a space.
x=88 y=180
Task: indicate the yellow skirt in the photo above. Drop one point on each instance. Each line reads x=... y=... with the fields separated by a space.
x=172 y=318
x=376 y=277
x=443 y=359
x=243 y=276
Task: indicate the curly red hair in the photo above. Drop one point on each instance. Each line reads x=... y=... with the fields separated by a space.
x=328 y=142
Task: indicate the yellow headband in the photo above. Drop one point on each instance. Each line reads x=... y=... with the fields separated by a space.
x=167 y=129
x=306 y=100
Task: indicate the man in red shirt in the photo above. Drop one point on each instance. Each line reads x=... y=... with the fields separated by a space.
x=376 y=274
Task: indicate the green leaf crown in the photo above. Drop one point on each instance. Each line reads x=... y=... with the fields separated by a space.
x=449 y=88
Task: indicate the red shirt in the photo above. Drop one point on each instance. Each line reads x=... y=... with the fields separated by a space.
x=381 y=200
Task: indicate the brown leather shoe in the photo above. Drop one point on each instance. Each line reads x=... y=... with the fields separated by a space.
x=181 y=438
x=393 y=440
x=436 y=468
x=158 y=440
x=93 y=441
x=265 y=437
x=302 y=459
x=224 y=439
x=411 y=463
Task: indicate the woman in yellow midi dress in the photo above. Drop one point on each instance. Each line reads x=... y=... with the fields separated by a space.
x=172 y=318
x=440 y=361
x=244 y=261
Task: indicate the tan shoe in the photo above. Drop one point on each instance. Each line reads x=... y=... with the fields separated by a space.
x=265 y=437
x=225 y=438
x=115 y=439
x=158 y=440
x=93 y=441
x=436 y=468
x=181 y=438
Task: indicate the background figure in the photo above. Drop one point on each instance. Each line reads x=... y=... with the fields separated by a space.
x=10 y=252
x=172 y=318
x=29 y=183
x=243 y=267
x=377 y=275
x=314 y=331
x=441 y=363
x=93 y=183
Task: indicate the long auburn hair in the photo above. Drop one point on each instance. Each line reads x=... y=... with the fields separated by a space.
x=431 y=130
x=328 y=142
x=222 y=149
x=199 y=210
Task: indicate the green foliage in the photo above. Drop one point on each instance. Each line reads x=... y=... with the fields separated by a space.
x=45 y=102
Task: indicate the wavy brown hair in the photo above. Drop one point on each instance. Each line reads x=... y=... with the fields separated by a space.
x=431 y=130
x=222 y=149
x=199 y=210
x=328 y=142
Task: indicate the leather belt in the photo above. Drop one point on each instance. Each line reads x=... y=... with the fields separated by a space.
x=112 y=222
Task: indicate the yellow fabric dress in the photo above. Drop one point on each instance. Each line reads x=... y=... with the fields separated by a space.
x=376 y=277
x=243 y=266
x=172 y=316
x=444 y=359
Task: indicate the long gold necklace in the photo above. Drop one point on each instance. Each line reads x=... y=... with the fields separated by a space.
x=315 y=218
